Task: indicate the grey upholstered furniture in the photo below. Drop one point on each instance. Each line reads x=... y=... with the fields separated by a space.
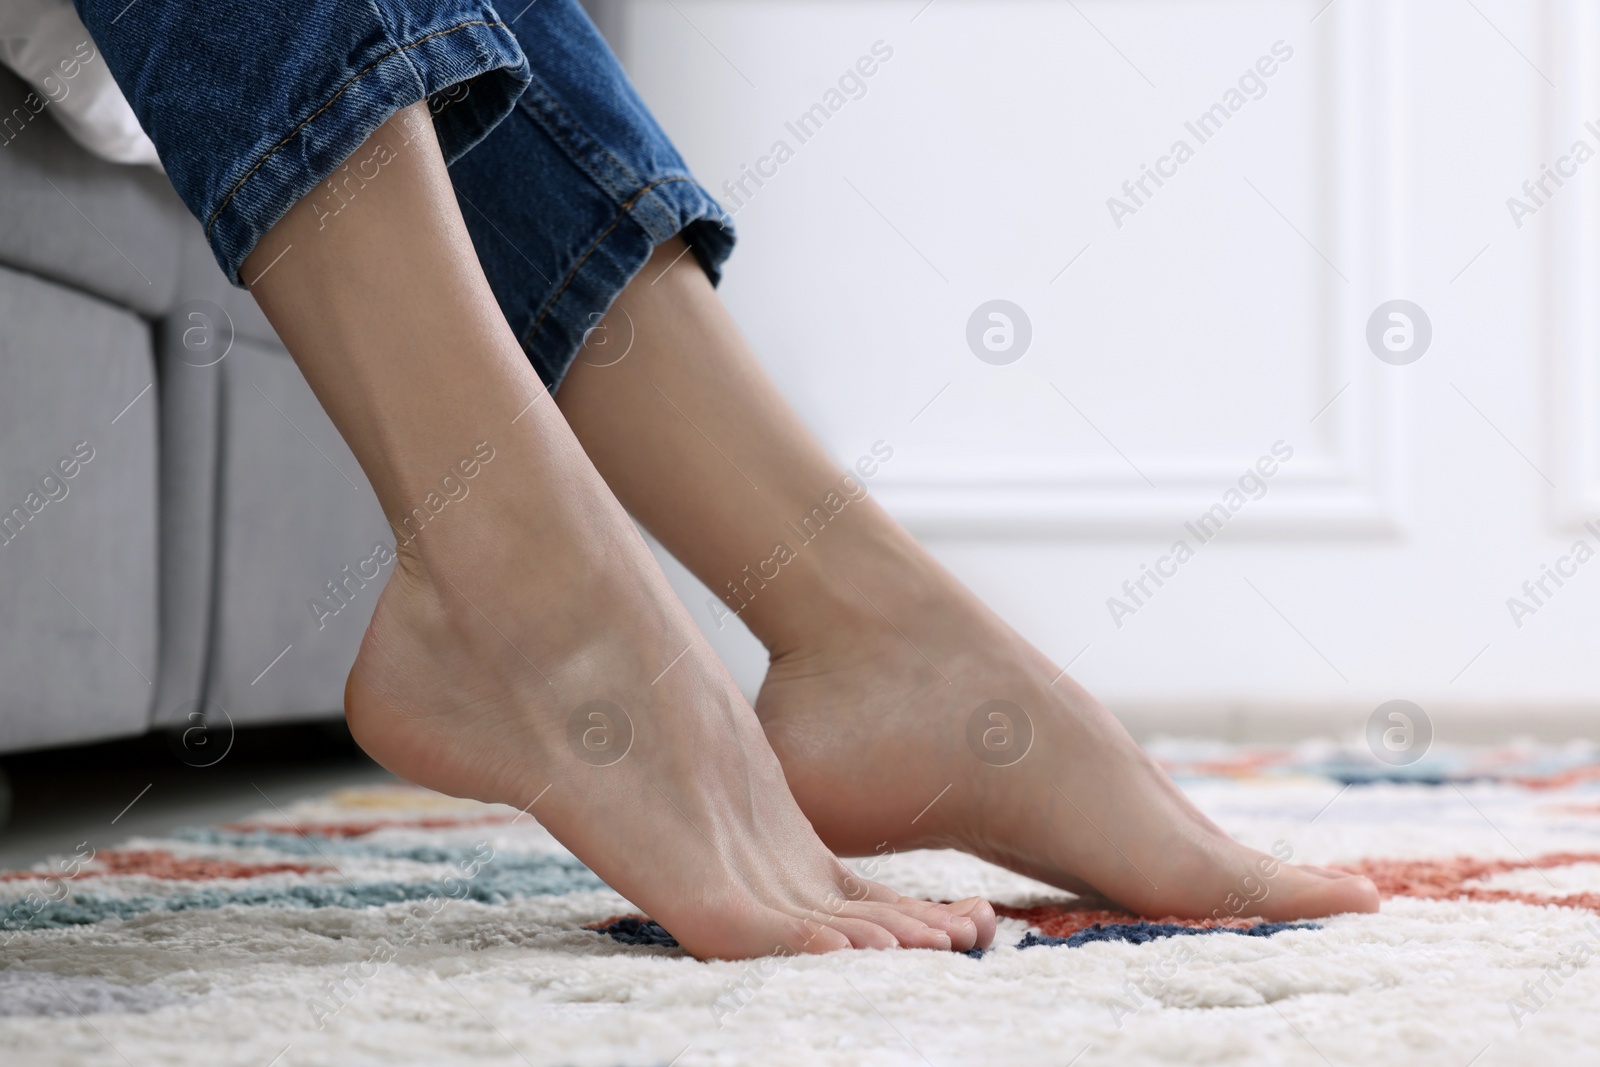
x=209 y=501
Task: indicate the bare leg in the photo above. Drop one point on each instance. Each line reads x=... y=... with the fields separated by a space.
x=526 y=593
x=868 y=701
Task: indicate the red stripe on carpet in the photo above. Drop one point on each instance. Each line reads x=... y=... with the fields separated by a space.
x=157 y=864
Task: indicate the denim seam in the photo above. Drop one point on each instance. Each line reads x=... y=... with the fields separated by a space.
x=330 y=102
x=576 y=141
x=382 y=18
x=622 y=213
x=570 y=127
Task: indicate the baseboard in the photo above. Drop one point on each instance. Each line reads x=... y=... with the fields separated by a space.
x=1280 y=723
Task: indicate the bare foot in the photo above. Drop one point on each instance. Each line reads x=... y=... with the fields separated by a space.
x=467 y=684
x=887 y=732
x=522 y=599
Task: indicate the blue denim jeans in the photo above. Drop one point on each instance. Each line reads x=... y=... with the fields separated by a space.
x=566 y=182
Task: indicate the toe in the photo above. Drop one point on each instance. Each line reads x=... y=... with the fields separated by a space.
x=1357 y=892
x=969 y=923
x=744 y=929
x=981 y=914
x=908 y=930
x=1318 y=892
x=862 y=933
x=809 y=937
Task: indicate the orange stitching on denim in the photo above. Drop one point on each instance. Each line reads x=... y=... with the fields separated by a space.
x=578 y=130
x=573 y=273
x=296 y=131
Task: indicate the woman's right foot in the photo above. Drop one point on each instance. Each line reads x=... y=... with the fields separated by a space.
x=477 y=676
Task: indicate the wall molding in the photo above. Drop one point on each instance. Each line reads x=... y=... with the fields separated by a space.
x=1571 y=263
x=1343 y=479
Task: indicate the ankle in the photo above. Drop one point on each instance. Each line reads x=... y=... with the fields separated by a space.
x=853 y=593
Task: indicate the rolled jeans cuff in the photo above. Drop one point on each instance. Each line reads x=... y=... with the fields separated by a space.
x=327 y=79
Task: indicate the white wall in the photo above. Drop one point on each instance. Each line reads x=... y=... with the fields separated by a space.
x=1228 y=313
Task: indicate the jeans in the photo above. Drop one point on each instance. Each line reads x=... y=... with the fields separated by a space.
x=566 y=182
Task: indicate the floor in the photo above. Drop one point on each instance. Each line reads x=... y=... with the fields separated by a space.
x=396 y=926
x=105 y=794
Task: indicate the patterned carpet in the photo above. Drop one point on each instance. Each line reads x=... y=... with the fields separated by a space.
x=394 y=925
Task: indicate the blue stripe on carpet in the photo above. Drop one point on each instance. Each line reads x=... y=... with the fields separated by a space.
x=1140 y=933
x=506 y=877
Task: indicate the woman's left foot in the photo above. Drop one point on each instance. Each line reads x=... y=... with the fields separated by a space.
x=924 y=721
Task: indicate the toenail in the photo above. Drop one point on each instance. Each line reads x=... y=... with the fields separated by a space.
x=1325 y=872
